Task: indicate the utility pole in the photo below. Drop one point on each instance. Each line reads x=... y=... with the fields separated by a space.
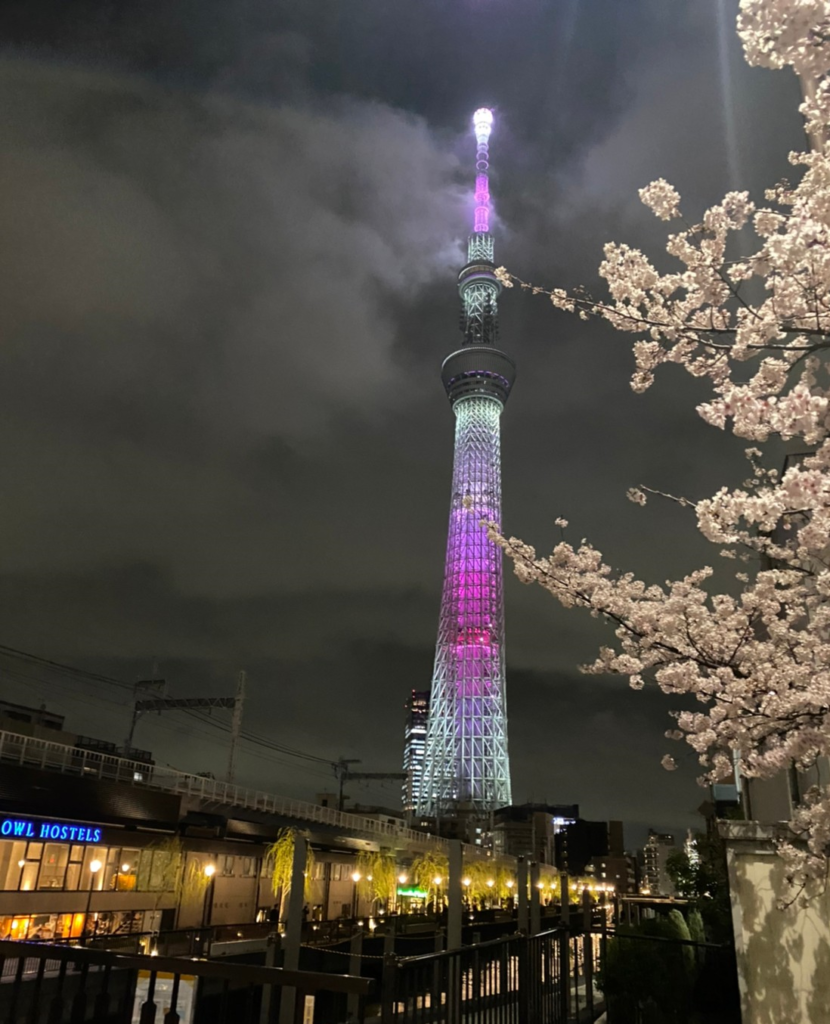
x=343 y=773
x=161 y=703
x=157 y=686
x=341 y=770
x=236 y=722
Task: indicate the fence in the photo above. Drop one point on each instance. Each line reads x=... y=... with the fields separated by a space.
x=540 y=979
x=42 y=984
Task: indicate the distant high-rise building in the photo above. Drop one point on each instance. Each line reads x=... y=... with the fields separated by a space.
x=415 y=732
x=529 y=830
x=466 y=768
x=655 y=856
x=577 y=843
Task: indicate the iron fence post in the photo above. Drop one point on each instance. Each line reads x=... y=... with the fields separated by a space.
x=564 y=974
x=388 y=988
x=524 y=980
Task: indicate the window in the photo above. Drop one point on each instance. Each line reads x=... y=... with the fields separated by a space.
x=127 y=873
x=227 y=864
x=73 y=871
x=53 y=866
x=318 y=871
x=249 y=867
x=94 y=879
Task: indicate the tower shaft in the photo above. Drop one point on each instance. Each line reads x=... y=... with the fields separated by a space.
x=466 y=765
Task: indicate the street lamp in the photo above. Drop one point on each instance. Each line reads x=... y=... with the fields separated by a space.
x=94 y=868
x=356 y=876
x=209 y=871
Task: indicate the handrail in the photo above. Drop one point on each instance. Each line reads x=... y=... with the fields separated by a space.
x=51 y=756
x=306 y=981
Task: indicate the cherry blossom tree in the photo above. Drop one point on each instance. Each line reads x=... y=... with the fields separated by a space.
x=756 y=328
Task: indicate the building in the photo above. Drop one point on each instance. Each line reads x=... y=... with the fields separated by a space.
x=415 y=733
x=94 y=844
x=529 y=830
x=466 y=765
x=577 y=843
x=655 y=856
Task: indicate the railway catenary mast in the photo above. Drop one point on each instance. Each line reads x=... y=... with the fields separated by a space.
x=466 y=766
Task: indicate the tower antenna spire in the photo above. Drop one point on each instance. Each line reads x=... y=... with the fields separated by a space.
x=482 y=124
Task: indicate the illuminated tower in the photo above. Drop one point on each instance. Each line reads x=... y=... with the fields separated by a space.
x=466 y=767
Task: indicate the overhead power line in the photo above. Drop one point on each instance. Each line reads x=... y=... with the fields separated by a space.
x=96 y=677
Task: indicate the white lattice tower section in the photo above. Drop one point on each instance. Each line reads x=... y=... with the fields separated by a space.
x=466 y=763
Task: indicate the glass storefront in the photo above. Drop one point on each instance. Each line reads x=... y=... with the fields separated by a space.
x=70 y=926
x=31 y=866
x=27 y=867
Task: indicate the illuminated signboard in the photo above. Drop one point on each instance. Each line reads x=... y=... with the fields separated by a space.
x=25 y=828
x=418 y=893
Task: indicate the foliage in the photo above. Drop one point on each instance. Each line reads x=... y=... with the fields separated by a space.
x=756 y=328
x=648 y=981
x=705 y=885
x=280 y=859
x=379 y=876
x=426 y=868
x=696 y=929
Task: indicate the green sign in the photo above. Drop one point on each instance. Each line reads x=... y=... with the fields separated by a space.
x=419 y=893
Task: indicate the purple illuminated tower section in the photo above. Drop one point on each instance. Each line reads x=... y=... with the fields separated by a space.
x=466 y=767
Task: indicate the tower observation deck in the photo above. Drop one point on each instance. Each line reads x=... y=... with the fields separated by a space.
x=466 y=767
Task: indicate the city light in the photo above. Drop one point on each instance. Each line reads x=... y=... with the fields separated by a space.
x=509 y=883
x=403 y=879
x=437 y=879
x=95 y=866
x=356 y=876
x=210 y=870
x=466 y=881
x=125 y=868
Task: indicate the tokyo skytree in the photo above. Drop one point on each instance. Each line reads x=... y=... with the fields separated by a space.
x=466 y=767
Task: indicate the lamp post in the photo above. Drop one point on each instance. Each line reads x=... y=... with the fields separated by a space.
x=94 y=868
x=437 y=882
x=356 y=876
x=210 y=871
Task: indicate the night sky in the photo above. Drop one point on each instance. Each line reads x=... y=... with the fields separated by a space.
x=230 y=231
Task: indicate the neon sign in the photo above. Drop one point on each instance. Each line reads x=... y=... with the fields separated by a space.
x=419 y=893
x=25 y=828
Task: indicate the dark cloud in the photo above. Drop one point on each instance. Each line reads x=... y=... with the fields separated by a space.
x=229 y=238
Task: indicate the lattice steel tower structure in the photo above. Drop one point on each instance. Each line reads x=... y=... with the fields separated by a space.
x=466 y=766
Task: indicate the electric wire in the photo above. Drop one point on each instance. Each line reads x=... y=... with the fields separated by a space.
x=98 y=699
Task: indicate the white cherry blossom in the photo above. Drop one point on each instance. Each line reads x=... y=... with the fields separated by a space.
x=754 y=321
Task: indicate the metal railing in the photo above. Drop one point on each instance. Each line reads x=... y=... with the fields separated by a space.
x=53 y=984
x=46 y=755
x=515 y=980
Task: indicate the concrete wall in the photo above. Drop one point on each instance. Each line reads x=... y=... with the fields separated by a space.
x=783 y=955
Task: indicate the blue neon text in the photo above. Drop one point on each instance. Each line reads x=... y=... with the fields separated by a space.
x=25 y=828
